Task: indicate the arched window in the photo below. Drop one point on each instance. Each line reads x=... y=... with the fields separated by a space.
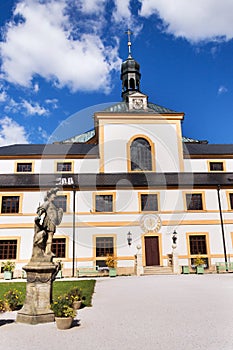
x=132 y=84
x=140 y=155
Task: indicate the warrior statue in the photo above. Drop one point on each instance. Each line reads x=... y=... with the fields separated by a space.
x=41 y=270
x=49 y=216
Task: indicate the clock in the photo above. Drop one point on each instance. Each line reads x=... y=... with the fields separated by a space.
x=150 y=222
x=137 y=103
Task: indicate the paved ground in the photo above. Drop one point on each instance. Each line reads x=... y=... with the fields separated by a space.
x=184 y=312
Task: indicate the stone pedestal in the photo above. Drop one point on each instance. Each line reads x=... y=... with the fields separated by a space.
x=139 y=267
x=175 y=260
x=36 y=308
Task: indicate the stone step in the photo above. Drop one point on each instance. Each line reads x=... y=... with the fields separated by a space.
x=158 y=270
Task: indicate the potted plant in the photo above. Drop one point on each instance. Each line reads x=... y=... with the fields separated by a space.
x=2 y=306
x=111 y=264
x=13 y=299
x=199 y=262
x=63 y=310
x=8 y=268
x=77 y=297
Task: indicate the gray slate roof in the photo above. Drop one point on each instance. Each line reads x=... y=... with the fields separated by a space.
x=123 y=107
x=208 y=149
x=93 y=150
x=86 y=136
x=82 y=149
x=50 y=149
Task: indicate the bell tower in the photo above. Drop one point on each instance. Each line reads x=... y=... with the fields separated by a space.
x=130 y=73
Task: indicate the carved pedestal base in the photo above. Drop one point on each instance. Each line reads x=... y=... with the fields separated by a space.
x=36 y=308
x=175 y=259
x=139 y=269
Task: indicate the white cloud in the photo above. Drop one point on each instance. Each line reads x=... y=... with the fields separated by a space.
x=11 y=132
x=43 y=135
x=36 y=87
x=3 y=96
x=92 y=6
x=33 y=108
x=25 y=107
x=122 y=11
x=53 y=102
x=222 y=90
x=3 y=93
x=123 y=15
x=51 y=52
x=12 y=106
x=199 y=20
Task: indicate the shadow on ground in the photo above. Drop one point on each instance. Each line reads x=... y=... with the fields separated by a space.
x=4 y=322
x=75 y=323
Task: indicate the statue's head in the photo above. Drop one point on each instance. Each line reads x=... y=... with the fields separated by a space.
x=51 y=194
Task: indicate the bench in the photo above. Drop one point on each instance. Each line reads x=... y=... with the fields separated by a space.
x=224 y=267
x=87 y=271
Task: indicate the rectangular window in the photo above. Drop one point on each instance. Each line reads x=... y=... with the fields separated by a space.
x=10 y=204
x=59 y=247
x=24 y=167
x=8 y=249
x=194 y=201
x=216 y=166
x=104 y=203
x=197 y=244
x=61 y=202
x=104 y=246
x=64 y=166
x=231 y=200
x=149 y=202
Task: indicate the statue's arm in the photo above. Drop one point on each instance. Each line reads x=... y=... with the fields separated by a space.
x=42 y=208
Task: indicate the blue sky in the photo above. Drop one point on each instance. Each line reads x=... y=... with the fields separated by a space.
x=60 y=57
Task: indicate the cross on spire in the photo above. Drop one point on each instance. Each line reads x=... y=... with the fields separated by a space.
x=129 y=33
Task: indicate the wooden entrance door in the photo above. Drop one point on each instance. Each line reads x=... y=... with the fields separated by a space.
x=152 y=251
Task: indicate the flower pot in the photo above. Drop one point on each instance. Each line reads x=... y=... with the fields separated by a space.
x=200 y=270
x=8 y=275
x=112 y=272
x=63 y=322
x=77 y=304
x=185 y=269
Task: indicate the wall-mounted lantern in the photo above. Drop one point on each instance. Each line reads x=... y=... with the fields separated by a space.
x=129 y=238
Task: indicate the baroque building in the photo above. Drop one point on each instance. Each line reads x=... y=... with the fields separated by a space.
x=134 y=172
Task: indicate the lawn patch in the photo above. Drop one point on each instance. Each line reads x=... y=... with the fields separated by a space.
x=59 y=288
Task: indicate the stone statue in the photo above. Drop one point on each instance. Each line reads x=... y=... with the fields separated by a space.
x=41 y=270
x=49 y=216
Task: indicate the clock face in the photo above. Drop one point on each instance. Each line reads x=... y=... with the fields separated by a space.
x=150 y=222
x=137 y=103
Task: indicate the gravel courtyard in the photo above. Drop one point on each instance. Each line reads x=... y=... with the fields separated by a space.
x=183 y=312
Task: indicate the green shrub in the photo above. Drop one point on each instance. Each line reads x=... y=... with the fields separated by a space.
x=62 y=306
x=76 y=294
x=8 y=266
x=110 y=261
x=2 y=306
x=13 y=298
